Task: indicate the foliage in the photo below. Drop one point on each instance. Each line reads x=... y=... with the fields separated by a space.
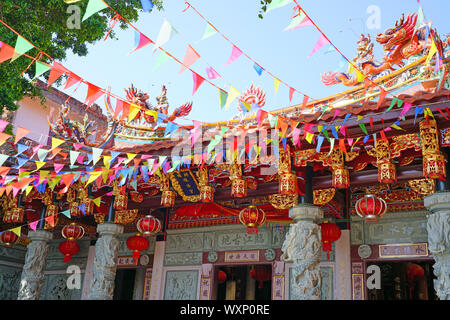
x=264 y=4
x=44 y=23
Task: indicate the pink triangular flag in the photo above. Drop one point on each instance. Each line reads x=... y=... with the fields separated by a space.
x=3 y=124
x=33 y=225
x=77 y=146
x=320 y=43
x=80 y=159
x=58 y=167
x=198 y=80
x=235 y=53
x=71 y=80
x=20 y=133
x=143 y=41
x=291 y=93
x=189 y=59
x=211 y=73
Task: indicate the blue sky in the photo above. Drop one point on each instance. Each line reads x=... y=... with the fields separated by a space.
x=283 y=53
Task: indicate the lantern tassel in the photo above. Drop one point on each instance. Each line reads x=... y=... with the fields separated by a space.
x=67 y=258
x=136 y=255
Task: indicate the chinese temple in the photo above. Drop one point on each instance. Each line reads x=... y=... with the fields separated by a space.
x=341 y=198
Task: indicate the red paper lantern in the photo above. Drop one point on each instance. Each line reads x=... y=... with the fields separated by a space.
x=260 y=273
x=253 y=218
x=72 y=231
x=371 y=208
x=9 y=238
x=68 y=248
x=222 y=277
x=149 y=225
x=137 y=243
x=330 y=233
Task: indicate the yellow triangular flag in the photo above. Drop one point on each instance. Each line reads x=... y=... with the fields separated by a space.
x=359 y=76
x=94 y=176
x=28 y=189
x=39 y=164
x=233 y=93
x=23 y=174
x=276 y=84
x=152 y=113
x=56 y=142
x=130 y=157
x=106 y=161
x=134 y=110
x=17 y=231
x=432 y=52
x=430 y=113
x=97 y=201
x=351 y=68
x=309 y=137
x=354 y=144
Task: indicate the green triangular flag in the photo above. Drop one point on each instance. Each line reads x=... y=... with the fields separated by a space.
x=93 y=7
x=223 y=130
x=161 y=59
x=22 y=46
x=209 y=31
x=222 y=97
x=325 y=133
x=66 y=213
x=400 y=103
x=363 y=128
x=40 y=69
x=394 y=101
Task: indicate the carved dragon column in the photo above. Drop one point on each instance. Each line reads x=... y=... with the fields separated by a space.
x=303 y=246
x=32 y=278
x=438 y=227
x=105 y=261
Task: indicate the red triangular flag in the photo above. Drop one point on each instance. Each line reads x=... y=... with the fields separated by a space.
x=93 y=94
x=383 y=94
x=190 y=57
x=125 y=110
x=119 y=108
x=57 y=71
x=291 y=93
x=6 y=52
x=71 y=80
x=50 y=220
x=143 y=41
x=305 y=100
x=198 y=80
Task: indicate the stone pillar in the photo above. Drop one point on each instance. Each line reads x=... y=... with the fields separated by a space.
x=105 y=262
x=32 y=278
x=157 y=272
x=303 y=247
x=88 y=272
x=438 y=227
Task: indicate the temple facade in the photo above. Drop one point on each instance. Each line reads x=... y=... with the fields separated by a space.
x=306 y=203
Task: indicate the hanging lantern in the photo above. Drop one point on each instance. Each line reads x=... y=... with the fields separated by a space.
x=238 y=188
x=341 y=178
x=287 y=184
x=260 y=273
x=206 y=194
x=433 y=160
x=52 y=210
x=14 y=215
x=68 y=248
x=168 y=198
x=387 y=172
x=137 y=243
x=330 y=233
x=253 y=218
x=148 y=225
x=371 y=208
x=222 y=276
x=9 y=238
x=434 y=167
x=72 y=233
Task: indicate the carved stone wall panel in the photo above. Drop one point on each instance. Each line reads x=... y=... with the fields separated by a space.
x=239 y=240
x=357 y=232
x=183 y=259
x=55 y=288
x=9 y=282
x=327 y=288
x=14 y=253
x=404 y=231
x=181 y=285
x=184 y=242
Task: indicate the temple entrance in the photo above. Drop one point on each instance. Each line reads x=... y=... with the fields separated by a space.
x=248 y=282
x=124 y=284
x=409 y=280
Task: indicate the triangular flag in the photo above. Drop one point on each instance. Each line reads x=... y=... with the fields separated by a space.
x=58 y=167
x=73 y=156
x=71 y=80
x=276 y=83
x=235 y=53
x=3 y=124
x=20 y=133
x=6 y=52
x=211 y=73
x=258 y=69
x=17 y=231
x=33 y=225
x=22 y=47
x=233 y=93
x=198 y=80
x=189 y=58
x=57 y=71
x=50 y=220
x=134 y=110
x=275 y=4
x=298 y=21
x=66 y=213
x=93 y=7
x=222 y=97
x=96 y=153
x=55 y=143
x=164 y=35
x=97 y=201
x=161 y=59
x=147 y=5
x=41 y=68
x=432 y=52
x=209 y=31
x=291 y=93
x=140 y=40
x=320 y=43
x=93 y=94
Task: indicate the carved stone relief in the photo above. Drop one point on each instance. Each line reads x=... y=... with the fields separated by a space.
x=326 y=291
x=181 y=285
x=183 y=259
x=9 y=282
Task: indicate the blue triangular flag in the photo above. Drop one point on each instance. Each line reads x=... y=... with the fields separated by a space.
x=144 y=171
x=258 y=69
x=90 y=158
x=66 y=213
x=83 y=208
x=284 y=140
x=319 y=143
x=114 y=155
x=147 y=5
x=333 y=130
x=365 y=139
x=419 y=110
x=171 y=127
x=21 y=148
x=346 y=117
x=21 y=161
